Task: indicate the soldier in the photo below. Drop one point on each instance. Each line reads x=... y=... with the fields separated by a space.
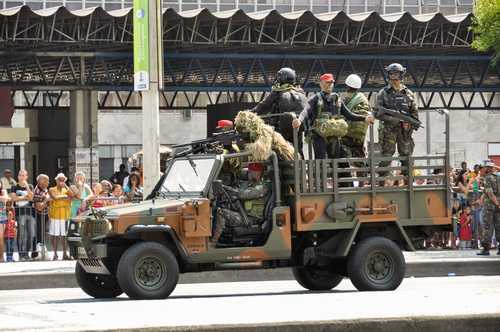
x=491 y=208
x=324 y=110
x=393 y=131
x=354 y=140
x=254 y=201
x=285 y=97
x=231 y=166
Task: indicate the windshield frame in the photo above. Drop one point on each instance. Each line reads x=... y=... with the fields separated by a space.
x=215 y=170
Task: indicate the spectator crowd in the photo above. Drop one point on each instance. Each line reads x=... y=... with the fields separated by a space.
x=29 y=211
x=467 y=207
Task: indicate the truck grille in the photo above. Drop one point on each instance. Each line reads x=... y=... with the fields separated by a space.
x=91 y=228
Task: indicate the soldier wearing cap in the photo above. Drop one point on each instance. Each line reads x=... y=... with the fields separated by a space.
x=285 y=97
x=354 y=140
x=325 y=111
x=253 y=195
x=392 y=131
x=491 y=208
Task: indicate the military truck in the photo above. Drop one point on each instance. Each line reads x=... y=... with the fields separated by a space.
x=318 y=220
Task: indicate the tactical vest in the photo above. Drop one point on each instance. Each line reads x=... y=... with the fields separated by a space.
x=329 y=125
x=255 y=207
x=397 y=100
x=358 y=104
x=495 y=186
x=291 y=99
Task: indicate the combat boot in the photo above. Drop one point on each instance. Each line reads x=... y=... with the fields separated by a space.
x=485 y=251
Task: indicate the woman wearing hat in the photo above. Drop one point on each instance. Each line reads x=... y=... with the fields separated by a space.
x=59 y=213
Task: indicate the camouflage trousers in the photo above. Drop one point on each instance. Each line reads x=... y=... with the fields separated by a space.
x=491 y=220
x=355 y=149
x=225 y=218
x=389 y=138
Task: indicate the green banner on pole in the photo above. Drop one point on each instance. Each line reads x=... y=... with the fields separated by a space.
x=141 y=45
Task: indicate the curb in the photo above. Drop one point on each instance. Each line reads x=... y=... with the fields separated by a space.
x=481 y=323
x=417 y=269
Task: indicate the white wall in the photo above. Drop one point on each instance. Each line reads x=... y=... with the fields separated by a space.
x=124 y=128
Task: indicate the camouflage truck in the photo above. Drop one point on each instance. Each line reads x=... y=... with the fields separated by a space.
x=319 y=224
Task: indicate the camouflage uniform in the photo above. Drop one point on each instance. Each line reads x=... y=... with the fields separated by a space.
x=284 y=98
x=391 y=131
x=330 y=104
x=254 y=201
x=491 y=213
x=354 y=141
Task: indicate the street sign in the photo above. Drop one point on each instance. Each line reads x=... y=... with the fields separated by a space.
x=141 y=45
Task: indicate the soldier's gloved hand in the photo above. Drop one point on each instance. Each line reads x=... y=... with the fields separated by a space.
x=370 y=119
x=296 y=123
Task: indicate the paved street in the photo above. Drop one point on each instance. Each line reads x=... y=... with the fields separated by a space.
x=247 y=303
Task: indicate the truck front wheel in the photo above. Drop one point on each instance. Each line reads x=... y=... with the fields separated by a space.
x=376 y=264
x=97 y=285
x=315 y=278
x=148 y=270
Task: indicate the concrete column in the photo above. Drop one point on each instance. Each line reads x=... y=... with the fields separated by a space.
x=151 y=102
x=83 y=153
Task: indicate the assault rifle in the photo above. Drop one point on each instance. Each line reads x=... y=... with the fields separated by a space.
x=401 y=115
x=210 y=144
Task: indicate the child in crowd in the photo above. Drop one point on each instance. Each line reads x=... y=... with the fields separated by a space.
x=465 y=229
x=10 y=234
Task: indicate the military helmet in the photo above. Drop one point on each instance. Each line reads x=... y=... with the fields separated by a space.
x=395 y=67
x=353 y=81
x=286 y=75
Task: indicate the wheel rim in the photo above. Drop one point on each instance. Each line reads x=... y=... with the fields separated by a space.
x=150 y=273
x=379 y=267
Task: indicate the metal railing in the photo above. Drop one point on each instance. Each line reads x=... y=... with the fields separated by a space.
x=33 y=225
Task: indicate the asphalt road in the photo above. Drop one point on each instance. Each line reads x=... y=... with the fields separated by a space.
x=249 y=303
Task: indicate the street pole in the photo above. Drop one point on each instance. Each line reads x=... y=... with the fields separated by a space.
x=150 y=34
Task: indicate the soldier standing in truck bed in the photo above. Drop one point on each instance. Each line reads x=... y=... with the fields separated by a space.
x=392 y=131
x=285 y=97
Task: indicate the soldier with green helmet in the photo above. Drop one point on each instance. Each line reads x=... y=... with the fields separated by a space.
x=326 y=112
x=491 y=208
x=354 y=140
x=393 y=131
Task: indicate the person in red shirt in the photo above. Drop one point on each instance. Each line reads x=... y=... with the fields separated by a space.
x=10 y=234
x=465 y=229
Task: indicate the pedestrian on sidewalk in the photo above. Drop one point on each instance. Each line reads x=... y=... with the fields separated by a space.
x=59 y=214
x=22 y=196
x=4 y=199
x=10 y=234
x=465 y=229
x=7 y=180
x=40 y=200
x=81 y=195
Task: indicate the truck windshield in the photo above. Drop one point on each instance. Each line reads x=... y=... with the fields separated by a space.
x=187 y=175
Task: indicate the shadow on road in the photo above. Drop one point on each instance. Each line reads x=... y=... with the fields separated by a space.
x=208 y=296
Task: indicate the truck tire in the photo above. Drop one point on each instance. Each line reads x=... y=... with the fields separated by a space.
x=99 y=286
x=148 y=270
x=376 y=264
x=316 y=279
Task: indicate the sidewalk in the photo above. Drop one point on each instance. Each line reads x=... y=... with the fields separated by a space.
x=429 y=263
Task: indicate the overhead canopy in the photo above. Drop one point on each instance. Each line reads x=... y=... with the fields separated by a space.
x=239 y=14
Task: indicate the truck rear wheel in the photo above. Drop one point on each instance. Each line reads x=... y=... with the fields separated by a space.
x=99 y=286
x=148 y=270
x=315 y=278
x=376 y=264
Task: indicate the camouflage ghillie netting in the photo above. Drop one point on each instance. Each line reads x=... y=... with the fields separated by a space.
x=264 y=139
x=327 y=128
